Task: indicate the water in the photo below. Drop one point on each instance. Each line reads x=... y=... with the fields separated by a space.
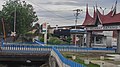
x=22 y=64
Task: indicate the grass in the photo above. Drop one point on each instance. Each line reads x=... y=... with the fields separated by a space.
x=78 y=60
x=88 y=65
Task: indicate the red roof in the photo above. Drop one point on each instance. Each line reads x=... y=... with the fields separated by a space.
x=109 y=18
x=88 y=19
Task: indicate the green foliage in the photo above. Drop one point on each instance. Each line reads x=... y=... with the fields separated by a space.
x=29 y=34
x=55 y=40
x=69 y=40
x=25 y=15
x=41 y=39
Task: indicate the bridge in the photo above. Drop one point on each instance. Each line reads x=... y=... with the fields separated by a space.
x=32 y=53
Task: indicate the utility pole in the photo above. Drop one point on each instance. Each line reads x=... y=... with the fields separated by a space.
x=13 y=34
x=14 y=20
x=76 y=17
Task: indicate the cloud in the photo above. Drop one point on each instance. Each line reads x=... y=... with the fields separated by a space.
x=1 y=3
x=61 y=12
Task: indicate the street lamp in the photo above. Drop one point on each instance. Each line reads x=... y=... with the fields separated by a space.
x=103 y=9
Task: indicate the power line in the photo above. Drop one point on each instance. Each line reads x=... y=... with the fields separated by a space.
x=50 y=11
x=61 y=10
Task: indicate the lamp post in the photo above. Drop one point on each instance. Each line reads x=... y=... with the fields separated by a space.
x=103 y=9
x=76 y=17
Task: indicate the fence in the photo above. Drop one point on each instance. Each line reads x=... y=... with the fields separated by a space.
x=49 y=48
x=35 y=47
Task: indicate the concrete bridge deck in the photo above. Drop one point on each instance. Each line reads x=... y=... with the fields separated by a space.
x=39 y=54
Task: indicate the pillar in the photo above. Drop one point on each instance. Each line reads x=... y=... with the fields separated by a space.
x=83 y=40
x=95 y=40
x=79 y=40
x=104 y=41
x=109 y=35
x=118 y=42
x=52 y=62
x=73 y=38
x=88 y=39
x=109 y=41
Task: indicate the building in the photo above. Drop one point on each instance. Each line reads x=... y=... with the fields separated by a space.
x=102 y=29
x=77 y=35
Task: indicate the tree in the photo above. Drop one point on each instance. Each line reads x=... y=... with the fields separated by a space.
x=25 y=16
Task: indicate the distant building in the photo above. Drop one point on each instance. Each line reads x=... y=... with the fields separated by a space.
x=69 y=31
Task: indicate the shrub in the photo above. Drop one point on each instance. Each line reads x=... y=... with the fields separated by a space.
x=55 y=41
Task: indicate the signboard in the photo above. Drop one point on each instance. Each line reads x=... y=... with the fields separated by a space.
x=77 y=31
x=13 y=33
x=44 y=27
x=116 y=27
x=108 y=33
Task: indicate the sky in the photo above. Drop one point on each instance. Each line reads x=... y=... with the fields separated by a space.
x=60 y=12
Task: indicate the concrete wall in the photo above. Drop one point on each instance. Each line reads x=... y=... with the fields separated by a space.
x=53 y=62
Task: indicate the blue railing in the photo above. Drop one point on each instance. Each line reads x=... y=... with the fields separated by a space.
x=67 y=61
x=39 y=42
x=60 y=48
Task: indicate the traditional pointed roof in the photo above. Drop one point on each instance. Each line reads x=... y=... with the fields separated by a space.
x=95 y=15
x=110 y=18
x=88 y=19
x=102 y=17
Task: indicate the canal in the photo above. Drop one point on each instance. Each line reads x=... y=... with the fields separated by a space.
x=24 y=59
x=23 y=64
